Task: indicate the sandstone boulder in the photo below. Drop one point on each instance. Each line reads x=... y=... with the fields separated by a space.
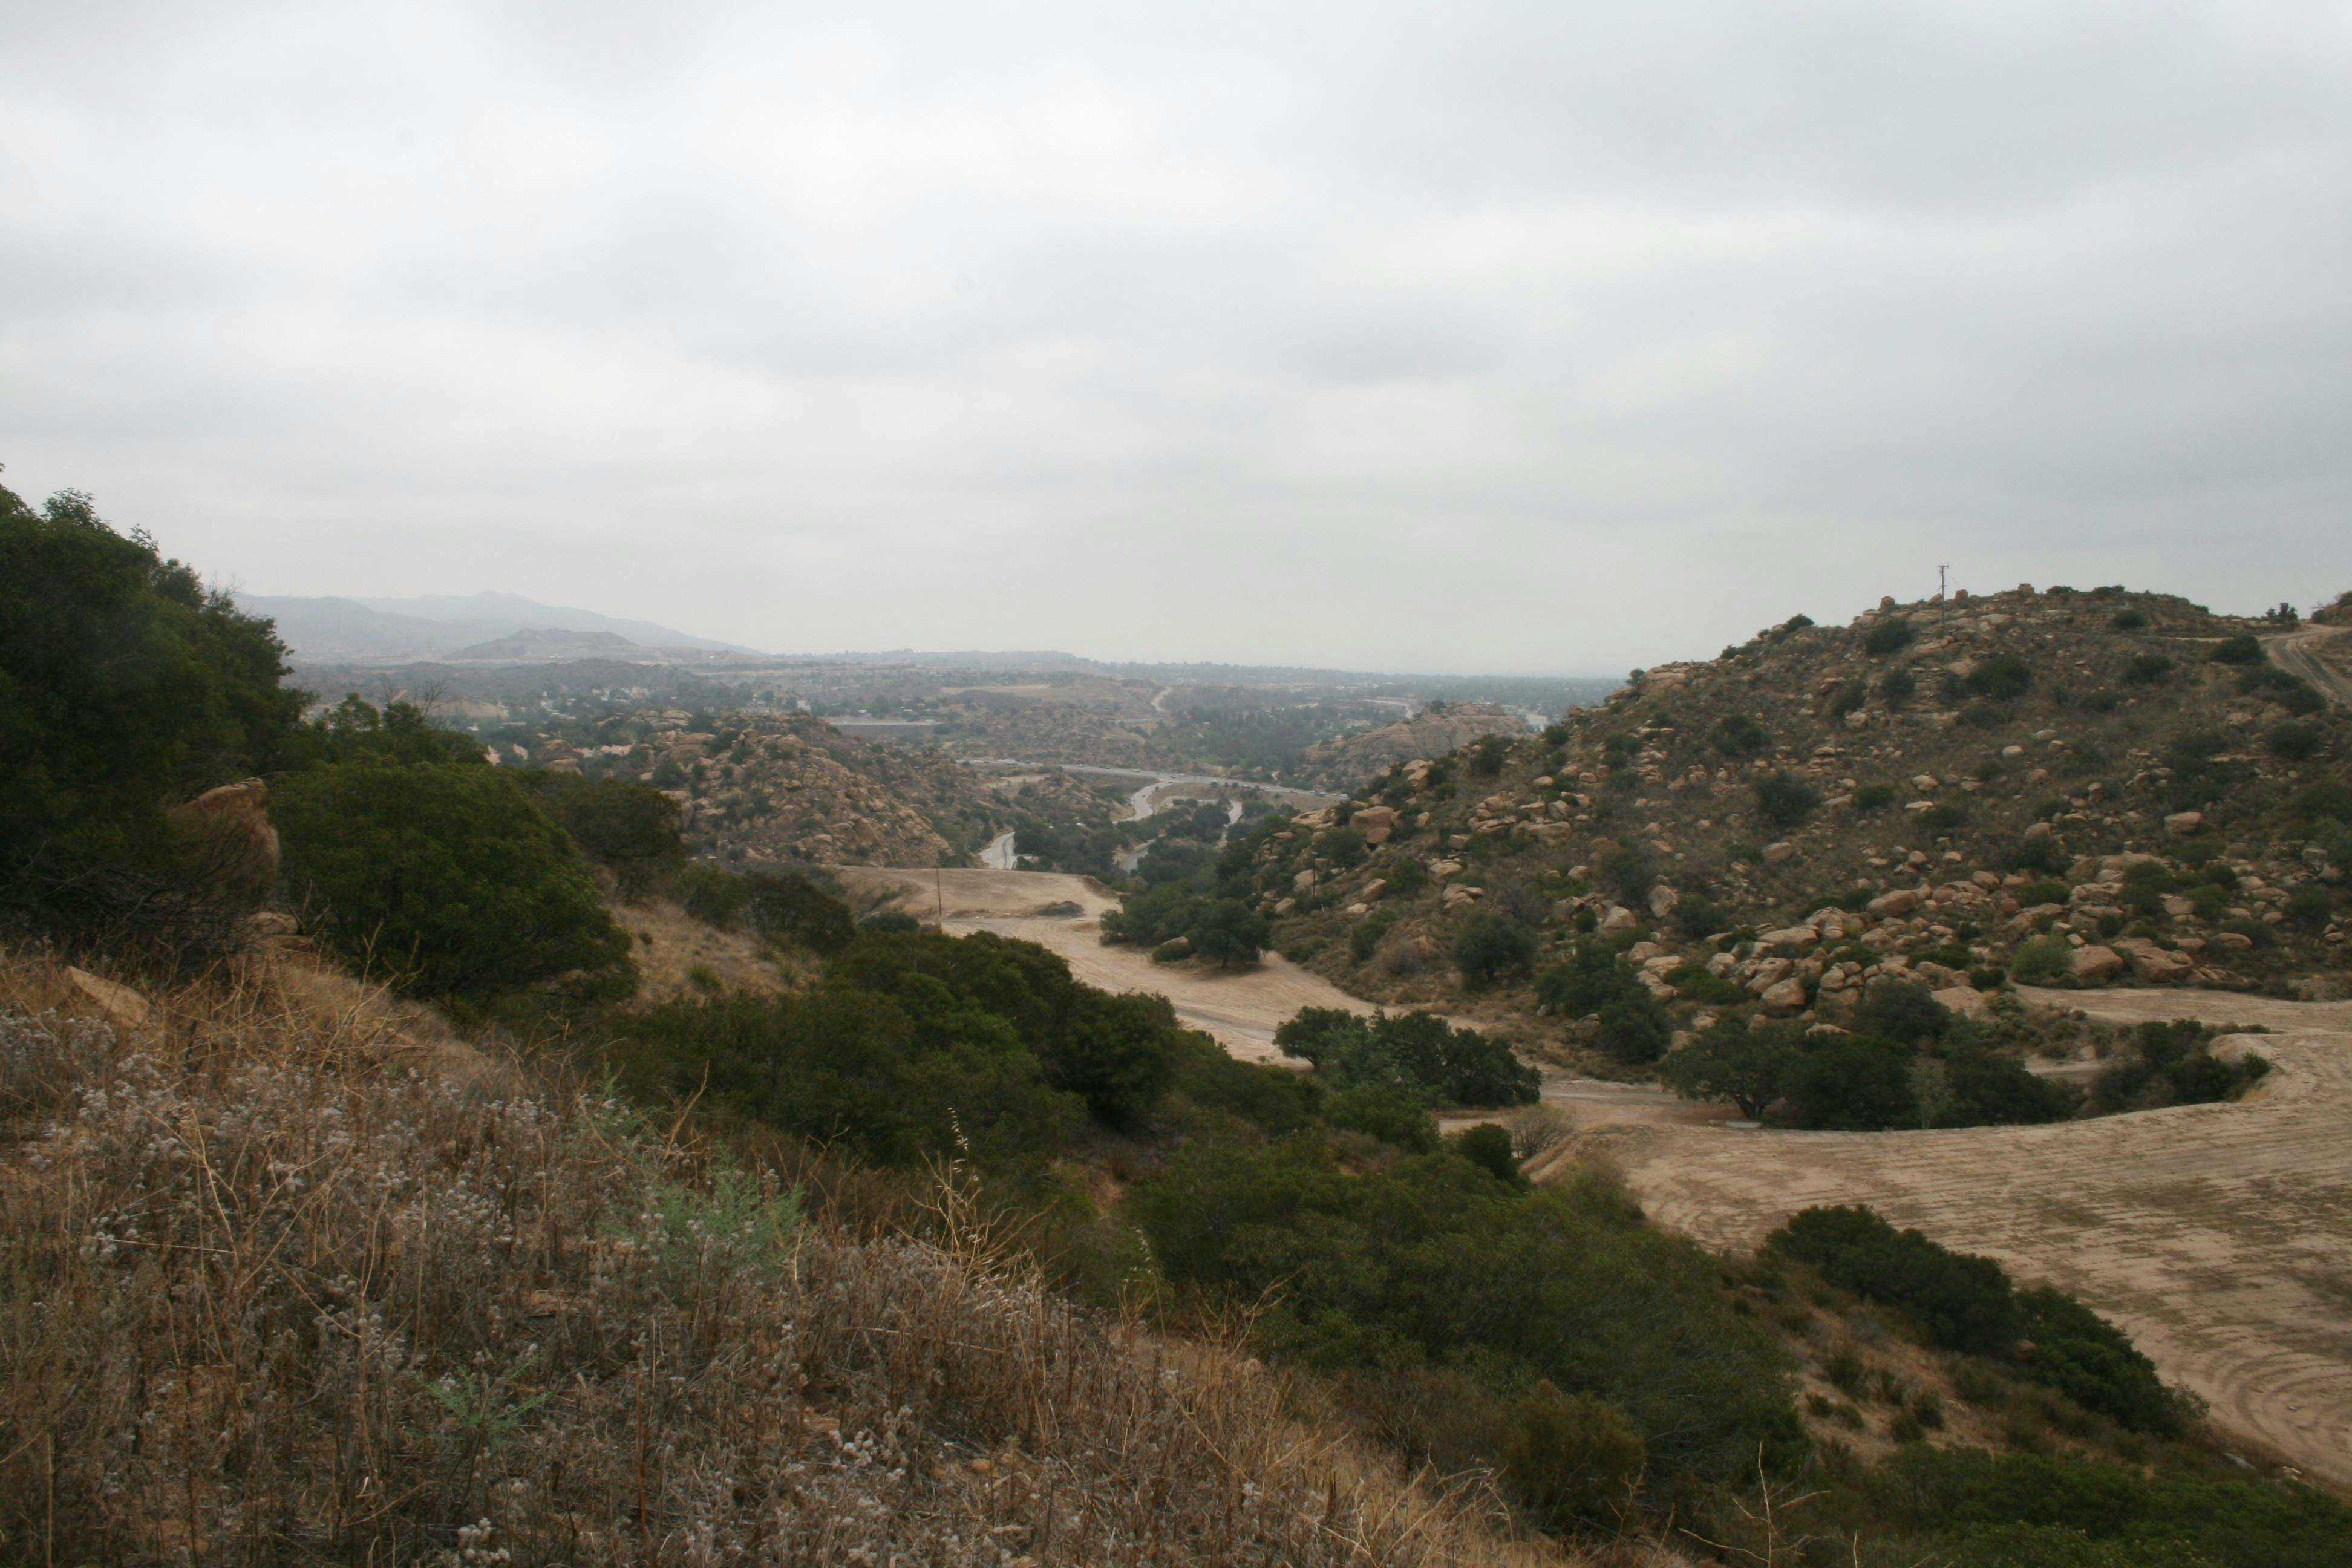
x=226 y=837
x=1663 y=901
x=1895 y=905
x=2154 y=966
x=1966 y=1000
x=1785 y=998
x=119 y=1005
x=2096 y=965
x=1778 y=854
x=2184 y=823
x=1375 y=823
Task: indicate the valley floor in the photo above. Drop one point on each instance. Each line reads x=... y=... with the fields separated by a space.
x=2215 y=1234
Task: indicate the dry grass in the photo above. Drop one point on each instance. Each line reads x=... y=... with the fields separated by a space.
x=290 y=1277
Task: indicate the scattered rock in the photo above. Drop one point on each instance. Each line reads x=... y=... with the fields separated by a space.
x=2184 y=823
x=1778 y=854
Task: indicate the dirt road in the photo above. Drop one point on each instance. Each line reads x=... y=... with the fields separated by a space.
x=2321 y=655
x=1242 y=1009
x=2220 y=1236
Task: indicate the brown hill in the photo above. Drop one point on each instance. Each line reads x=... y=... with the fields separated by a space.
x=2125 y=775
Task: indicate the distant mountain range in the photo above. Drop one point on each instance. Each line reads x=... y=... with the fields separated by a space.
x=445 y=625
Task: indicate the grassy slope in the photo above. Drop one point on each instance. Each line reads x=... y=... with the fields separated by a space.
x=293 y=1275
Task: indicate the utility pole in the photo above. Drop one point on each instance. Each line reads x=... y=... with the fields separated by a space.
x=1940 y=585
x=939 y=895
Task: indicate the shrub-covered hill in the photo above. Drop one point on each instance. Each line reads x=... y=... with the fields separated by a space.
x=2079 y=786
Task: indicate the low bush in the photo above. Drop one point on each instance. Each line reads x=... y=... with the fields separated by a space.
x=2146 y=669
x=1889 y=636
x=1491 y=946
x=1433 y=1263
x=2042 y=960
x=1965 y=1303
x=2242 y=648
x=445 y=879
x=1783 y=800
x=1739 y=735
x=1873 y=797
x=1591 y=982
x=1897 y=687
x=2293 y=741
x=1416 y=1054
x=2001 y=677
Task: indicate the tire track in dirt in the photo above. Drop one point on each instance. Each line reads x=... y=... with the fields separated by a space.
x=2218 y=1236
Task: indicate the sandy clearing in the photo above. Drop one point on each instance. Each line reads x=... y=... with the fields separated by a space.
x=2318 y=655
x=1241 y=1009
x=2220 y=1236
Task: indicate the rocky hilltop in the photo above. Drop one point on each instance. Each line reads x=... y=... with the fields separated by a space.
x=1344 y=762
x=2079 y=786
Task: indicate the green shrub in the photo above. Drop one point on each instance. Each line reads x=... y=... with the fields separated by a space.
x=2310 y=907
x=891 y=922
x=1784 y=800
x=1739 y=735
x=446 y=881
x=2094 y=1363
x=2293 y=741
x=1591 y=981
x=2129 y=621
x=1732 y=1060
x=2033 y=1510
x=1389 y=1115
x=1697 y=983
x=1849 y=1083
x=1698 y=916
x=2146 y=669
x=1570 y=1459
x=1416 y=1054
x=1491 y=946
x=1873 y=797
x=2001 y=677
x=629 y=829
x=2043 y=892
x=2044 y=960
x=1848 y=697
x=1897 y=687
x=1889 y=636
x=1488 y=1147
x=1433 y=1262
x=1961 y=1302
x=2242 y=648
x=1903 y=1011
x=1366 y=938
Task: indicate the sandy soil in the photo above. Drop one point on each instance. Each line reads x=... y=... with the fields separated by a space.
x=2321 y=655
x=2220 y=1236
x=1240 y=1008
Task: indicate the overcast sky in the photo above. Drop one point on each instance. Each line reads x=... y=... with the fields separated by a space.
x=1446 y=336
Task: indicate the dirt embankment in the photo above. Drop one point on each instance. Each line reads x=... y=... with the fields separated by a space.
x=2215 y=1234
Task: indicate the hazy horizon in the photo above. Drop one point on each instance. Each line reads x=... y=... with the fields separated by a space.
x=1495 y=339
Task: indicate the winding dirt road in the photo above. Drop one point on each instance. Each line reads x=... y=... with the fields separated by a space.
x=2218 y=1236
x=2321 y=655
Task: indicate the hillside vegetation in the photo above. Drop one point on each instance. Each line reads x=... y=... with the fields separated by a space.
x=2074 y=788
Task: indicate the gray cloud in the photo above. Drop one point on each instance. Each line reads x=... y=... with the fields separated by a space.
x=1509 y=336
